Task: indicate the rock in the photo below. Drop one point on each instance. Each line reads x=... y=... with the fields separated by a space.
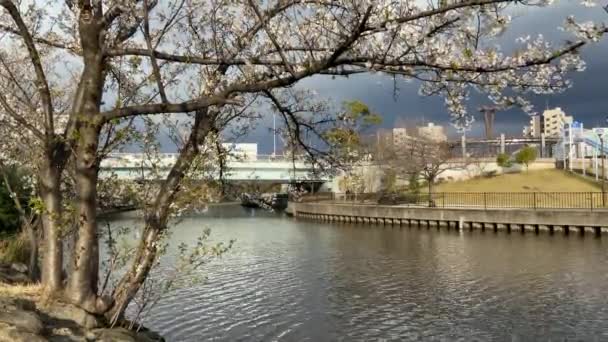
x=26 y=321
x=65 y=335
x=114 y=335
x=13 y=277
x=14 y=274
x=20 y=314
x=9 y=333
x=149 y=336
x=68 y=312
x=19 y=267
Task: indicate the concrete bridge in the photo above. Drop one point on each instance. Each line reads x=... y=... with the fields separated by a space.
x=134 y=166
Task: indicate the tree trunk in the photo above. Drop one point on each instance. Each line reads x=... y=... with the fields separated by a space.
x=33 y=269
x=430 y=185
x=28 y=227
x=156 y=221
x=52 y=261
x=83 y=280
x=82 y=285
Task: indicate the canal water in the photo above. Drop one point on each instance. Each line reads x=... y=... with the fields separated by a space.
x=293 y=280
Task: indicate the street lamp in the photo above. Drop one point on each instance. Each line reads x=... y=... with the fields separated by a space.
x=603 y=164
x=600 y=134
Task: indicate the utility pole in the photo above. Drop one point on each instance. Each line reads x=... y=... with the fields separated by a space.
x=603 y=166
x=274 y=135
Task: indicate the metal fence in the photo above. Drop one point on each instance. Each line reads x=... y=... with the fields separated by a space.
x=482 y=200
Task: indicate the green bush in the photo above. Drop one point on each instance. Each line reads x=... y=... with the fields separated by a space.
x=9 y=215
x=503 y=160
x=14 y=248
x=525 y=156
x=414 y=183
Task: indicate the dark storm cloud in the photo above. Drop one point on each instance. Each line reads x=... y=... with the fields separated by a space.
x=587 y=100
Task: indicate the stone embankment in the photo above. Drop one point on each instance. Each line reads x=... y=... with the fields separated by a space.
x=24 y=318
x=551 y=220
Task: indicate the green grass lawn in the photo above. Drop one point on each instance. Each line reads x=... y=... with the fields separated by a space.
x=531 y=181
x=532 y=189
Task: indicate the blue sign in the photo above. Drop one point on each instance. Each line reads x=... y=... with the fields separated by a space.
x=576 y=124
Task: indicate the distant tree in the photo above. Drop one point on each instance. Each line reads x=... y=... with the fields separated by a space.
x=414 y=183
x=346 y=138
x=525 y=156
x=389 y=180
x=503 y=160
x=419 y=157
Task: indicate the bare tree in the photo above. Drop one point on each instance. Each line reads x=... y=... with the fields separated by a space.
x=420 y=156
x=69 y=70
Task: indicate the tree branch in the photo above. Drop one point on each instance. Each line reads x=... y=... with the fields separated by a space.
x=41 y=80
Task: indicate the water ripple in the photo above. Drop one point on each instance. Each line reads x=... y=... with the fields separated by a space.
x=301 y=281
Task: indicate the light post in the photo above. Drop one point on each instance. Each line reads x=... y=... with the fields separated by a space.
x=274 y=135
x=600 y=134
x=603 y=164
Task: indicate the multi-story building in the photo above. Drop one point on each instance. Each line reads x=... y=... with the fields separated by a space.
x=432 y=132
x=554 y=120
x=399 y=136
x=550 y=122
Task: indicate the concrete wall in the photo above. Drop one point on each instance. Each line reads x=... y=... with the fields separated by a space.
x=548 y=217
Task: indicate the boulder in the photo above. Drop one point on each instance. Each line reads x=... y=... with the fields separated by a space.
x=67 y=312
x=19 y=267
x=26 y=321
x=112 y=335
x=9 y=333
x=149 y=336
x=13 y=277
x=21 y=314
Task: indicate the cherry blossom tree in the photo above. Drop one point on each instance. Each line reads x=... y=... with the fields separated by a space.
x=73 y=74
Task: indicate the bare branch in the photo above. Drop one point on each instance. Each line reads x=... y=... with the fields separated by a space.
x=41 y=80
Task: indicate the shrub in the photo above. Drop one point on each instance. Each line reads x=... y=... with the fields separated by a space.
x=14 y=248
x=9 y=215
x=489 y=174
x=503 y=160
x=414 y=183
x=525 y=156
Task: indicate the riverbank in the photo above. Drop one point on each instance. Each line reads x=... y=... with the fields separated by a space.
x=26 y=317
x=551 y=220
x=528 y=181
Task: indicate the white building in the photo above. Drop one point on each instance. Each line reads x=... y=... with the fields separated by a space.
x=399 y=136
x=432 y=132
x=550 y=122
x=554 y=120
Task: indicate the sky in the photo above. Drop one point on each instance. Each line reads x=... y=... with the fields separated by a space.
x=587 y=100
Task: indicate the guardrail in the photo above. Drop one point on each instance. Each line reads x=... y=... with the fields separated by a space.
x=483 y=200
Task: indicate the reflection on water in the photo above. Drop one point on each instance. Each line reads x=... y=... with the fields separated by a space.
x=289 y=280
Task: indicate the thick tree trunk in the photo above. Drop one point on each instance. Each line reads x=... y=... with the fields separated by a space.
x=83 y=279
x=52 y=261
x=156 y=221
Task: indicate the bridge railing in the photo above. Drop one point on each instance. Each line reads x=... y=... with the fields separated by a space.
x=482 y=200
